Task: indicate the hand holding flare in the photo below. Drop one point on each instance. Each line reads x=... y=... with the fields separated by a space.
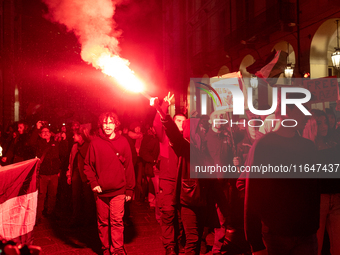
x=154 y=102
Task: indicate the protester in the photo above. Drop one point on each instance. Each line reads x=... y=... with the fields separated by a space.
x=22 y=149
x=18 y=148
x=219 y=147
x=281 y=214
x=109 y=169
x=190 y=193
x=332 y=132
x=137 y=137
x=83 y=203
x=149 y=152
x=170 y=226
x=64 y=193
x=49 y=151
x=8 y=149
x=125 y=131
x=328 y=153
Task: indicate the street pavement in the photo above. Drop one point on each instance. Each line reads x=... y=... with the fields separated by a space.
x=142 y=237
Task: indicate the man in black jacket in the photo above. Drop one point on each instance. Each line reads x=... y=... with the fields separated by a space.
x=167 y=182
x=109 y=169
x=49 y=152
x=219 y=148
x=281 y=214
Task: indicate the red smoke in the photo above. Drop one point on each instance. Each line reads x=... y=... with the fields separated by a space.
x=92 y=22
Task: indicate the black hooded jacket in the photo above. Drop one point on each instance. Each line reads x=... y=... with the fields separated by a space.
x=103 y=167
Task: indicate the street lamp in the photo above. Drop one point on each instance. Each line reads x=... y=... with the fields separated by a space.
x=254 y=82
x=289 y=71
x=336 y=55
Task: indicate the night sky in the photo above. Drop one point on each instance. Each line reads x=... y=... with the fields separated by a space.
x=52 y=74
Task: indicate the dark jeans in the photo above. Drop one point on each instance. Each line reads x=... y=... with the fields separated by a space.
x=170 y=220
x=82 y=200
x=290 y=245
x=48 y=185
x=110 y=211
x=193 y=219
x=64 y=199
x=155 y=181
x=330 y=220
x=139 y=190
x=221 y=204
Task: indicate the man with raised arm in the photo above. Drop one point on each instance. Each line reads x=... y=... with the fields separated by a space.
x=167 y=180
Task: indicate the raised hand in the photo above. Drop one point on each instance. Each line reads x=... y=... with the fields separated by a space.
x=39 y=124
x=168 y=98
x=155 y=103
x=97 y=189
x=337 y=108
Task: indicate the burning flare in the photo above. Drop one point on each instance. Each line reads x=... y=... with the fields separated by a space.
x=92 y=23
x=114 y=66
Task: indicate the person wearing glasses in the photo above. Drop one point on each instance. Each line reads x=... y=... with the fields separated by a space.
x=49 y=151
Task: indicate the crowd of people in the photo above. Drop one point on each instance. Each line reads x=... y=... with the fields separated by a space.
x=101 y=169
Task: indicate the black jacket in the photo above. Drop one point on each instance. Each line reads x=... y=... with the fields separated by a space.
x=103 y=167
x=287 y=207
x=49 y=152
x=149 y=152
x=190 y=190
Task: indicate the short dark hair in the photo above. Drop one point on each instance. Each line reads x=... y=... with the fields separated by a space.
x=25 y=125
x=45 y=126
x=82 y=133
x=93 y=132
x=330 y=112
x=75 y=122
x=135 y=124
x=318 y=113
x=106 y=115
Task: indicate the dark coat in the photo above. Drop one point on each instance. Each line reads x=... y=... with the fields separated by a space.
x=103 y=167
x=22 y=149
x=49 y=153
x=190 y=191
x=149 y=152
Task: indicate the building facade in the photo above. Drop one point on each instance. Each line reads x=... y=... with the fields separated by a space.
x=210 y=38
x=10 y=48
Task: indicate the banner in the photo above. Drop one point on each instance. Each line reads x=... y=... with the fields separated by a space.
x=323 y=89
x=222 y=87
x=270 y=69
x=18 y=201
